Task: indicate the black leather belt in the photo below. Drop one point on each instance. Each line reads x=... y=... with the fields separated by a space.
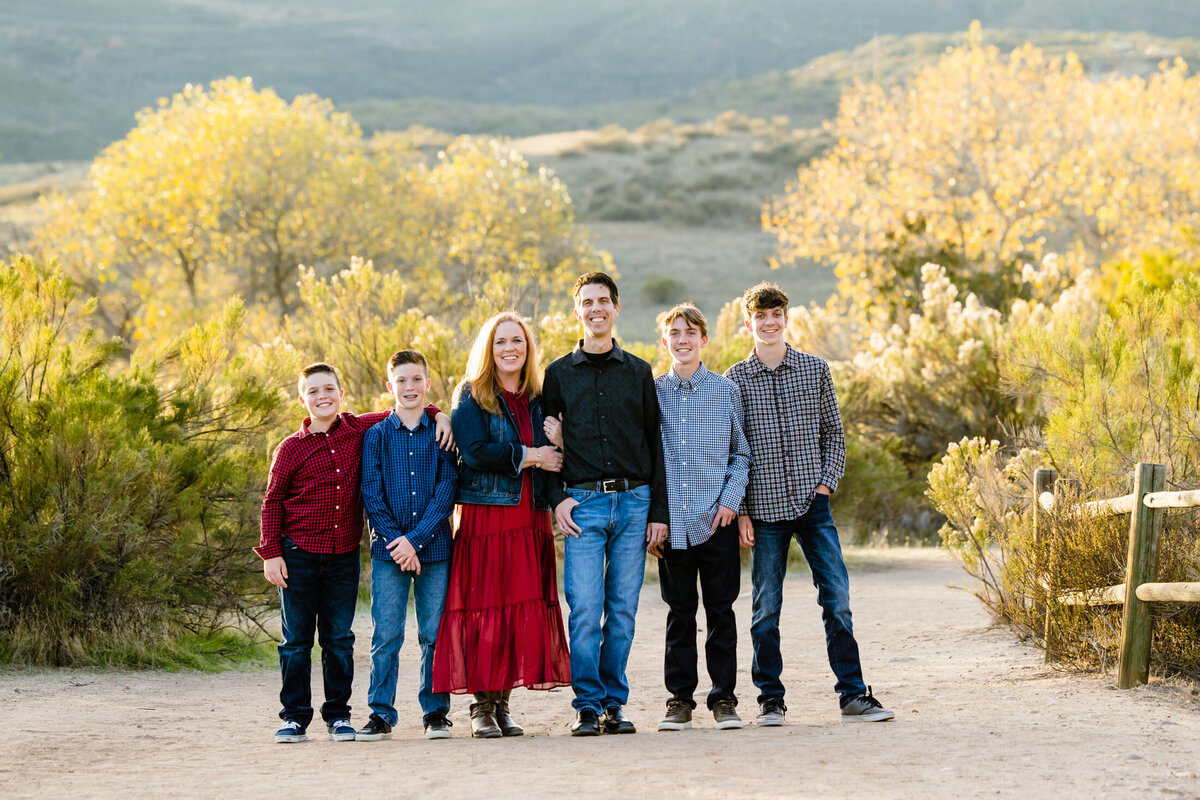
x=608 y=486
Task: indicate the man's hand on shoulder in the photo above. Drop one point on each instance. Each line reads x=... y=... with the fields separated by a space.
x=562 y=516
x=275 y=570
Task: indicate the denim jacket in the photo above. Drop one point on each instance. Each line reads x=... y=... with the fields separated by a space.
x=490 y=453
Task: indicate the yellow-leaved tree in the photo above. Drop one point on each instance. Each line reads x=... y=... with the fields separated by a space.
x=985 y=161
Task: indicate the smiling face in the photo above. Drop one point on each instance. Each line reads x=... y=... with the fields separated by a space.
x=767 y=325
x=509 y=351
x=594 y=307
x=321 y=396
x=684 y=341
x=408 y=385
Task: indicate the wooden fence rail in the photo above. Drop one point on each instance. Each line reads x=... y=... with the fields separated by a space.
x=1146 y=507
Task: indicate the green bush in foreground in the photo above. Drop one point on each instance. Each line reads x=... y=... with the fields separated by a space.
x=128 y=496
x=1116 y=386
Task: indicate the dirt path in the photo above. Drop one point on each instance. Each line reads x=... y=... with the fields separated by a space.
x=977 y=715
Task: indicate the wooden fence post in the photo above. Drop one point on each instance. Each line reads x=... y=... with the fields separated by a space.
x=1145 y=525
x=1043 y=481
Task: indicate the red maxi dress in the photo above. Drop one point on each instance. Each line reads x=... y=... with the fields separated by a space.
x=502 y=626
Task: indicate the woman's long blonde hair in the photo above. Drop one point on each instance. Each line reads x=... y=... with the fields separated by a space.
x=481 y=365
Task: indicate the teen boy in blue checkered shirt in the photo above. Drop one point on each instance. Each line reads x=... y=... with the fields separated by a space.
x=708 y=463
x=799 y=452
x=408 y=488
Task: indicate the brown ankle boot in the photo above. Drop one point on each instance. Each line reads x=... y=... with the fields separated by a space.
x=508 y=726
x=483 y=720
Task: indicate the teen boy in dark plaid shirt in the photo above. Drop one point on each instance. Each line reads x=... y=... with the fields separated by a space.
x=799 y=452
x=311 y=526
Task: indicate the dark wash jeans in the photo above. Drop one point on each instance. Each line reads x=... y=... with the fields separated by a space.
x=818 y=539
x=321 y=593
x=719 y=568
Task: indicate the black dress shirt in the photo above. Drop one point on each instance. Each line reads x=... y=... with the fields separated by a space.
x=610 y=423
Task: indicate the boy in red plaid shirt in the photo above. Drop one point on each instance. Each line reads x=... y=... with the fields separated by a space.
x=312 y=520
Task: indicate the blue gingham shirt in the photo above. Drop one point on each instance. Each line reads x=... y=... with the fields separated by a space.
x=408 y=485
x=795 y=433
x=705 y=450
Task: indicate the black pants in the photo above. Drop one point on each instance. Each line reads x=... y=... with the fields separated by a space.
x=717 y=565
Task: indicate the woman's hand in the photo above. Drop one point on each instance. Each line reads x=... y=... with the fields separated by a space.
x=552 y=427
x=547 y=458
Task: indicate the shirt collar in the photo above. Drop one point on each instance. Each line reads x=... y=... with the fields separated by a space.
x=693 y=383
x=398 y=423
x=578 y=356
x=791 y=358
x=305 y=432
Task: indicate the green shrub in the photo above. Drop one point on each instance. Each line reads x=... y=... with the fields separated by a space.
x=128 y=497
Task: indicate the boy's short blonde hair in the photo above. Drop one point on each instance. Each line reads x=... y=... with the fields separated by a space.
x=690 y=314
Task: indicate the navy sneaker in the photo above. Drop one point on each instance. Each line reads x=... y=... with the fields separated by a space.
x=340 y=730
x=291 y=731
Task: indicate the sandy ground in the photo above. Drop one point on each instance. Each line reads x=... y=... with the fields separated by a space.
x=978 y=714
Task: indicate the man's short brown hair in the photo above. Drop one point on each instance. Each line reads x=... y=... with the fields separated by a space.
x=313 y=369
x=763 y=296
x=602 y=278
x=690 y=314
x=401 y=357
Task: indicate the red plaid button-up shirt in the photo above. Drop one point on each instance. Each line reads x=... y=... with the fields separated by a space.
x=313 y=494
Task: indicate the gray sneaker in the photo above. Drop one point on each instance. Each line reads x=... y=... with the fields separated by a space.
x=725 y=714
x=770 y=712
x=678 y=718
x=865 y=708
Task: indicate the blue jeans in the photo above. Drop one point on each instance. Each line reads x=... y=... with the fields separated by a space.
x=602 y=571
x=389 y=610
x=818 y=539
x=320 y=597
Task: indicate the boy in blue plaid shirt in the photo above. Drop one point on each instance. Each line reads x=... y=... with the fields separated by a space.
x=408 y=486
x=708 y=463
x=799 y=451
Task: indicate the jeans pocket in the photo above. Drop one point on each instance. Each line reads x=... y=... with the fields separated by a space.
x=641 y=493
x=581 y=495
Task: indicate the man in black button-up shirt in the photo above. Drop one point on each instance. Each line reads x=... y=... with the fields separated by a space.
x=611 y=503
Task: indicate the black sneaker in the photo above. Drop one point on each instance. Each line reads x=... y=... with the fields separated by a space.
x=587 y=723
x=615 y=721
x=770 y=712
x=375 y=730
x=678 y=718
x=438 y=728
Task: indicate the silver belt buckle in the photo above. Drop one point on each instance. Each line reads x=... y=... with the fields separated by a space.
x=610 y=486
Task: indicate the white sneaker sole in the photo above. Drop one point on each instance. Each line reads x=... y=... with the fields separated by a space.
x=674 y=726
x=771 y=722
x=881 y=716
x=371 y=737
x=291 y=738
x=343 y=737
x=730 y=725
x=439 y=735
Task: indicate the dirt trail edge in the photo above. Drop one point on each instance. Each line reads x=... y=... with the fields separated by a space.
x=978 y=714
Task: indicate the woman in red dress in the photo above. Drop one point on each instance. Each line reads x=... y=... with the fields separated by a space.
x=501 y=627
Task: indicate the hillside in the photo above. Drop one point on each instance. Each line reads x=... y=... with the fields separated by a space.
x=74 y=72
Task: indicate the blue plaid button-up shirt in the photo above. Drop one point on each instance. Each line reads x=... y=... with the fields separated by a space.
x=705 y=450
x=408 y=485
